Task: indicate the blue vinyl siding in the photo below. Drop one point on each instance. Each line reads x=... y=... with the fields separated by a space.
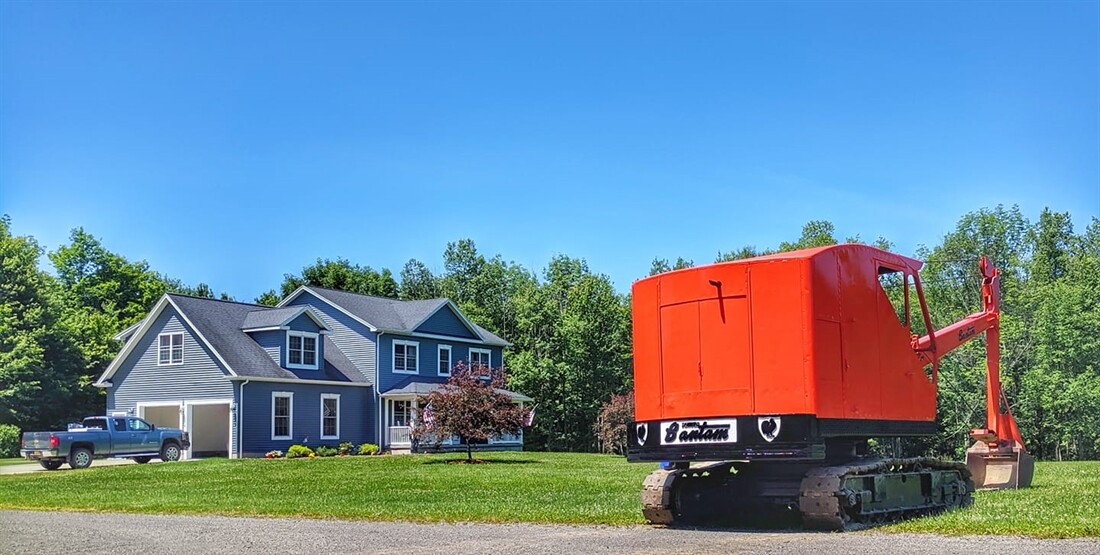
x=353 y=338
x=274 y=342
x=428 y=353
x=356 y=422
x=304 y=323
x=445 y=322
x=139 y=379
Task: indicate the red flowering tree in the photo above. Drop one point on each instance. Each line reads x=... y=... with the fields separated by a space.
x=472 y=406
x=615 y=415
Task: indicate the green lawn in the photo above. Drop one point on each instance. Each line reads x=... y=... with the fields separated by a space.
x=1063 y=502
x=514 y=487
x=17 y=460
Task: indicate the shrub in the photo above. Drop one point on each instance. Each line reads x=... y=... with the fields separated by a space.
x=9 y=441
x=275 y=454
x=325 y=451
x=346 y=448
x=615 y=415
x=368 y=449
x=297 y=451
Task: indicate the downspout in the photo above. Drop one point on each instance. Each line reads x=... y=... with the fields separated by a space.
x=378 y=394
x=240 y=421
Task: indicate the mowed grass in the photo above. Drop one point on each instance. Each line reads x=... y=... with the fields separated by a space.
x=511 y=487
x=567 y=488
x=1063 y=502
x=9 y=462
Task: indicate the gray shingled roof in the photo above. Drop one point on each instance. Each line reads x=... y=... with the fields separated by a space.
x=220 y=322
x=270 y=317
x=393 y=314
x=423 y=385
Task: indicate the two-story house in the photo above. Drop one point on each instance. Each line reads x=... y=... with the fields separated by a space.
x=322 y=367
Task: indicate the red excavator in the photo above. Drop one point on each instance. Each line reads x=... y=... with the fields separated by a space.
x=759 y=383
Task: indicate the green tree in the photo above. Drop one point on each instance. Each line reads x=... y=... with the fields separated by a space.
x=417 y=282
x=39 y=362
x=575 y=352
x=660 y=265
x=269 y=298
x=345 y=276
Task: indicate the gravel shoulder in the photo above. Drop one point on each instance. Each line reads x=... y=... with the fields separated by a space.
x=29 y=532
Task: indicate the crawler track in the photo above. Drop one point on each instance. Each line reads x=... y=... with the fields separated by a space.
x=845 y=496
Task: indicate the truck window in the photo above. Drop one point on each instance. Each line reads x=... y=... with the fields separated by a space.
x=139 y=425
x=95 y=423
x=120 y=424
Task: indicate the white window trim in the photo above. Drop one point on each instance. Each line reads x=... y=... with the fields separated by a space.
x=316 y=350
x=330 y=396
x=487 y=352
x=439 y=355
x=290 y=414
x=393 y=356
x=170 y=335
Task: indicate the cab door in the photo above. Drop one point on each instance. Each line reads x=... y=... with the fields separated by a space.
x=144 y=439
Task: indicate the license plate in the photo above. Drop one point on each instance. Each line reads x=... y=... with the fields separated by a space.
x=699 y=432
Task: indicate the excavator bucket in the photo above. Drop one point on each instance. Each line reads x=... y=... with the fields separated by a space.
x=1003 y=466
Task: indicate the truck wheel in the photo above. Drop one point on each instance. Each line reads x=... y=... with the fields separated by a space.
x=50 y=465
x=170 y=452
x=142 y=460
x=81 y=457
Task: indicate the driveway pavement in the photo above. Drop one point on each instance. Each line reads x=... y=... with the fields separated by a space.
x=35 y=467
x=89 y=533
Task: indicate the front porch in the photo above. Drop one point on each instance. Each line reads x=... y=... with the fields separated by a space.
x=400 y=417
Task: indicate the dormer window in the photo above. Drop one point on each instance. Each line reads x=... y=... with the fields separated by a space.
x=301 y=350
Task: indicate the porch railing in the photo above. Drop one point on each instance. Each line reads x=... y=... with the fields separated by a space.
x=400 y=435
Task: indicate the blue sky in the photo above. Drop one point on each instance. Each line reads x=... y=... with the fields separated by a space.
x=230 y=143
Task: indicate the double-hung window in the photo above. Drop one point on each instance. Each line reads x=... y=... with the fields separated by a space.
x=480 y=358
x=405 y=354
x=330 y=416
x=444 y=360
x=301 y=350
x=169 y=349
x=282 y=414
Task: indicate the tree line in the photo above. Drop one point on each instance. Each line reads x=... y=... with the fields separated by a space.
x=571 y=330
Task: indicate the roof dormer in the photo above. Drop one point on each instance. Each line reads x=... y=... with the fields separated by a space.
x=292 y=336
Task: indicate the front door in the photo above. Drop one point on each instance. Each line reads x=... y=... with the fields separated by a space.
x=400 y=422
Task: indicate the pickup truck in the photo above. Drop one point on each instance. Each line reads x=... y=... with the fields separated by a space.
x=100 y=437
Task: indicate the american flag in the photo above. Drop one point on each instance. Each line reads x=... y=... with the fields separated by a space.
x=428 y=415
x=530 y=418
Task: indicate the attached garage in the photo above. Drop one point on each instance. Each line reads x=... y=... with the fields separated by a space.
x=168 y=415
x=210 y=426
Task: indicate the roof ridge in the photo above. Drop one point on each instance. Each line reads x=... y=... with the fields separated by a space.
x=379 y=297
x=184 y=295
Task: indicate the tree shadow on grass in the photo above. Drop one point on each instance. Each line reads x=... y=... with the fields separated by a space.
x=482 y=461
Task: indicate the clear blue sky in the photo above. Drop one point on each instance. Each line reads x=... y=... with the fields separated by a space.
x=230 y=143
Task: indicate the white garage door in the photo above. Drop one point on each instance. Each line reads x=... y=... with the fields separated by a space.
x=167 y=416
x=209 y=427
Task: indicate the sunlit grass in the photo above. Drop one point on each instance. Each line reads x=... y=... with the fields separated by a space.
x=1063 y=502
x=565 y=488
x=512 y=487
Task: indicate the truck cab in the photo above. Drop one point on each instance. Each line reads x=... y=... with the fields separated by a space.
x=101 y=437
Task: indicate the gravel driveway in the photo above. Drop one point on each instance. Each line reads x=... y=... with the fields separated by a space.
x=34 y=532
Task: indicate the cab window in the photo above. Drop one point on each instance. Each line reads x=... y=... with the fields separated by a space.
x=138 y=425
x=95 y=423
x=120 y=424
